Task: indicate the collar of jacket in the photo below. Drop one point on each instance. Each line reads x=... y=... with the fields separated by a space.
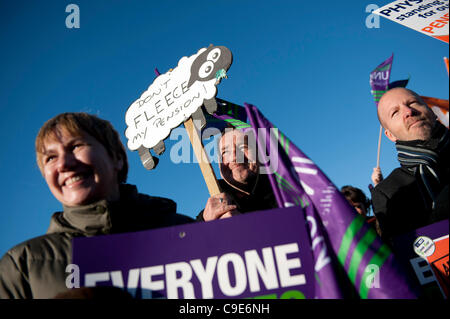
x=92 y=219
x=260 y=187
x=240 y=190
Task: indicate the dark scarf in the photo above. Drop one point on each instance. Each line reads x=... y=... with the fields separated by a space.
x=427 y=160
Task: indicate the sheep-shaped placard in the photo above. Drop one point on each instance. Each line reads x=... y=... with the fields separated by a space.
x=173 y=98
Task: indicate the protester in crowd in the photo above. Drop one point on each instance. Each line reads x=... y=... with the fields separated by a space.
x=360 y=202
x=416 y=193
x=244 y=189
x=85 y=167
x=357 y=199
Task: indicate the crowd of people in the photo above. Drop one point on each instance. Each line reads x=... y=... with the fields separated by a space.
x=85 y=167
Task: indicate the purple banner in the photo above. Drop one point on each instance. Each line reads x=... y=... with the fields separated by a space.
x=379 y=79
x=257 y=255
x=342 y=241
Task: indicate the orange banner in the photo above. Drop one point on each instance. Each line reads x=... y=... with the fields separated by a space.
x=432 y=101
x=440 y=264
x=439 y=107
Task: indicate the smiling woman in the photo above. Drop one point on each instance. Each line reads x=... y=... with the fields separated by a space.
x=78 y=169
x=85 y=166
x=79 y=125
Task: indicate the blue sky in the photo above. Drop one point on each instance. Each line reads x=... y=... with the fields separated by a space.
x=305 y=65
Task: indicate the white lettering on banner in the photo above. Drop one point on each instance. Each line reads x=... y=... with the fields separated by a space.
x=327 y=200
x=91 y=280
x=379 y=75
x=304 y=170
x=286 y=280
x=116 y=278
x=288 y=204
x=147 y=283
x=182 y=282
x=133 y=281
x=266 y=269
x=323 y=259
x=423 y=270
x=302 y=160
x=205 y=275
x=307 y=189
x=224 y=279
x=249 y=270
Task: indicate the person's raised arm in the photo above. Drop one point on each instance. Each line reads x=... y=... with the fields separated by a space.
x=377 y=177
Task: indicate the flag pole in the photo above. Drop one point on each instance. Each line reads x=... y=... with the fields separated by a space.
x=446 y=63
x=379 y=82
x=379 y=147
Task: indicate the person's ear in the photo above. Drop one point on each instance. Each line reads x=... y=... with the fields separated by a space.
x=390 y=136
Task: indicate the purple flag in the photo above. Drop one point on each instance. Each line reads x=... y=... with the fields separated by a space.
x=379 y=79
x=227 y=115
x=346 y=249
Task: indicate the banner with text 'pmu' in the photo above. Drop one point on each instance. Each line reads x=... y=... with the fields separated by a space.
x=379 y=79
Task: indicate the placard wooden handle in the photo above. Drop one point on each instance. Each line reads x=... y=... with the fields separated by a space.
x=202 y=158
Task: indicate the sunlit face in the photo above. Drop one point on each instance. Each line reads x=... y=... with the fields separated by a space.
x=239 y=164
x=78 y=169
x=405 y=116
